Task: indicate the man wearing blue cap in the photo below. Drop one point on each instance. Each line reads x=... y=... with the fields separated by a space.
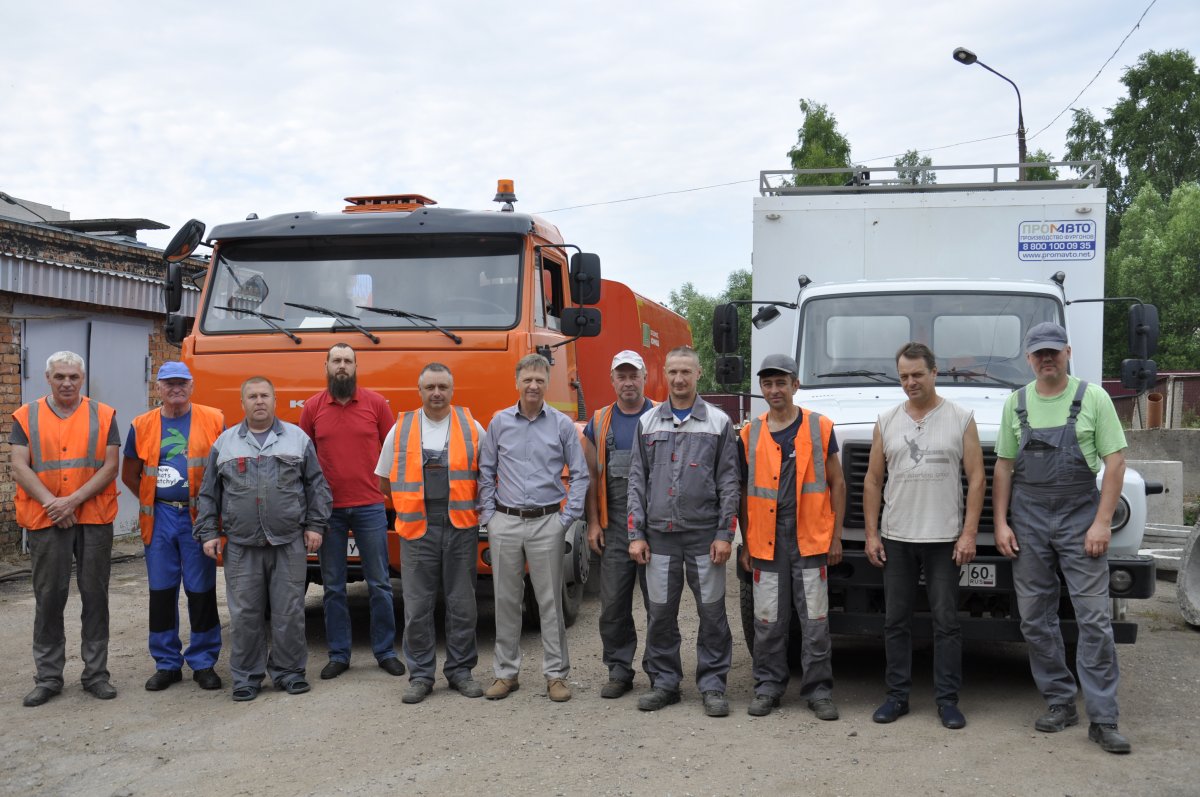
x=165 y=456
x=1054 y=434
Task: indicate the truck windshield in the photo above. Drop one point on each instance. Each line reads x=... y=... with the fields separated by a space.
x=461 y=281
x=851 y=340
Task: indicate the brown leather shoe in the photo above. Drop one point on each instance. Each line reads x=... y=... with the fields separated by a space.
x=500 y=688
x=558 y=689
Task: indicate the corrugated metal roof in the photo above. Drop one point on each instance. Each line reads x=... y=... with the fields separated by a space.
x=53 y=280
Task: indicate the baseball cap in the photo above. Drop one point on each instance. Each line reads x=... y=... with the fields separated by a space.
x=779 y=362
x=628 y=357
x=174 y=370
x=1046 y=335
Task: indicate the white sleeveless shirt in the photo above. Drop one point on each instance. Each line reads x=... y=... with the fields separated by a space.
x=923 y=497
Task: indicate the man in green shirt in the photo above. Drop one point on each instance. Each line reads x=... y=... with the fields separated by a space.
x=1054 y=434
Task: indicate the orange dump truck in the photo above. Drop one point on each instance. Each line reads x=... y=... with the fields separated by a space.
x=407 y=283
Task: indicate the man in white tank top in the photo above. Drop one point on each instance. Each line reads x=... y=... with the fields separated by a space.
x=923 y=445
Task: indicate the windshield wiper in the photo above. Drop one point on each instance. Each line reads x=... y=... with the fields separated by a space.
x=351 y=320
x=871 y=374
x=269 y=320
x=431 y=323
x=955 y=374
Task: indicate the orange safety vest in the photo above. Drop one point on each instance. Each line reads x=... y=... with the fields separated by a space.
x=207 y=425
x=408 y=489
x=601 y=422
x=64 y=453
x=814 y=507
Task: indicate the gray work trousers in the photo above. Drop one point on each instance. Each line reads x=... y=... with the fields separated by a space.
x=1050 y=529
x=52 y=551
x=674 y=556
x=618 y=576
x=255 y=575
x=540 y=542
x=800 y=581
x=442 y=560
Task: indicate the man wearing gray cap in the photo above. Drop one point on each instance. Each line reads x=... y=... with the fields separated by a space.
x=608 y=443
x=166 y=453
x=793 y=499
x=1053 y=436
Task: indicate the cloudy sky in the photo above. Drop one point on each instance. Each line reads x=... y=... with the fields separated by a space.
x=170 y=110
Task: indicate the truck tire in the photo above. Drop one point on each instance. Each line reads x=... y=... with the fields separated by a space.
x=577 y=558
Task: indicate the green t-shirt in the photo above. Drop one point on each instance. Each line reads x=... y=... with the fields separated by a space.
x=1097 y=427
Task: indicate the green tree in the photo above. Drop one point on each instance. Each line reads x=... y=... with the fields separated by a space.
x=912 y=168
x=1040 y=172
x=1150 y=137
x=698 y=308
x=1158 y=261
x=819 y=145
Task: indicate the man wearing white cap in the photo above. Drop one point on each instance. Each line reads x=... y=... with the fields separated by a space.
x=615 y=427
x=165 y=456
x=1053 y=436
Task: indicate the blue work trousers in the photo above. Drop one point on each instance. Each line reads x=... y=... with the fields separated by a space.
x=174 y=557
x=369 y=524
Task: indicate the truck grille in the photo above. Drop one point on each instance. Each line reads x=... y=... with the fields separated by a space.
x=855 y=457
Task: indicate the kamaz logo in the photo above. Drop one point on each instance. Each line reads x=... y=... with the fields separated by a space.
x=1057 y=227
x=294 y=403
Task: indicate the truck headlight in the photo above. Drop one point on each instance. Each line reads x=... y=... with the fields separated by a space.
x=1120 y=515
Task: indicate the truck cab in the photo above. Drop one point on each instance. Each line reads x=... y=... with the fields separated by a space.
x=964 y=262
x=405 y=283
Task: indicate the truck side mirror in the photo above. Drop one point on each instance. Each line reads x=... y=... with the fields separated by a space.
x=585 y=278
x=1143 y=330
x=1139 y=375
x=725 y=329
x=184 y=242
x=583 y=322
x=176 y=328
x=173 y=287
x=730 y=370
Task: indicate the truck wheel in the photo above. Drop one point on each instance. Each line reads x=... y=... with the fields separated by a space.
x=572 y=598
x=746 y=599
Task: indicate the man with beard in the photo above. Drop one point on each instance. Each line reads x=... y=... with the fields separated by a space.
x=348 y=425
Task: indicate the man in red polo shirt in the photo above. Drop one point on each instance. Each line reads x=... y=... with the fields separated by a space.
x=347 y=425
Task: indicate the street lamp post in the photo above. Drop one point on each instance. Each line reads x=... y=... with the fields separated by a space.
x=966 y=58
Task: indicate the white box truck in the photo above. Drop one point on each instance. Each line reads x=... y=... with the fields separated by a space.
x=966 y=267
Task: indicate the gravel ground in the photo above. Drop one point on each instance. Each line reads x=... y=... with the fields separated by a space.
x=354 y=736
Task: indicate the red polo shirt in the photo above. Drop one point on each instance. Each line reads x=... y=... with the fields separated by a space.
x=348 y=438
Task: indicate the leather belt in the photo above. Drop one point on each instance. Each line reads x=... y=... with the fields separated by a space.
x=176 y=504
x=528 y=514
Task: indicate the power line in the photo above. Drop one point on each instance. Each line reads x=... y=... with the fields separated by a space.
x=647 y=196
x=1136 y=25
x=1095 y=77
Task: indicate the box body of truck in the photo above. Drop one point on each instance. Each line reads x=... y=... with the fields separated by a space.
x=966 y=269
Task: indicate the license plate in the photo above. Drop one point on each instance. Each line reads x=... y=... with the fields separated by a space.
x=974 y=575
x=351 y=547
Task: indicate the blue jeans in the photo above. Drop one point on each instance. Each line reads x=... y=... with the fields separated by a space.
x=905 y=561
x=370 y=533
